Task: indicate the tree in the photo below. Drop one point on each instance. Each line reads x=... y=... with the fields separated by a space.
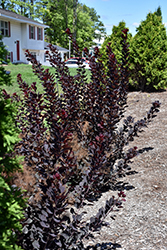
x=25 y=8
x=5 y=4
x=148 y=52
x=158 y=12
x=57 y=15
x=11 y=200
x=97 y=24
x=115 y=40
x=63 y=14
x=84 y=29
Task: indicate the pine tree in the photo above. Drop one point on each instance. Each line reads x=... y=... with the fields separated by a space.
x=148 y=54
x=158 y=12
x=115 y=40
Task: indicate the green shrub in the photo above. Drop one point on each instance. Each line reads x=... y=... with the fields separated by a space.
x=11 y=200
x=148 y=54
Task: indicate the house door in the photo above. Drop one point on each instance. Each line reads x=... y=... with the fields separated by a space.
x=18 y=50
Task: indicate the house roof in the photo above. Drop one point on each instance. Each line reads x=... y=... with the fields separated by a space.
x=18 y=18
x=57 y=47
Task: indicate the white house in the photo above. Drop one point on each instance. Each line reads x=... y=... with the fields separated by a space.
x=21 y=33
x=63 y=52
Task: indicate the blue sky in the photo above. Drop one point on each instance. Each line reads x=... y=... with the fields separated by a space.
x=130 y=11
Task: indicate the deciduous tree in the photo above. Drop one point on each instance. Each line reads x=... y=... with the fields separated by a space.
x=26 y=8
x=82 y=20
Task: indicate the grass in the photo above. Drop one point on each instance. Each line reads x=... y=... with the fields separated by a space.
x=28 y=76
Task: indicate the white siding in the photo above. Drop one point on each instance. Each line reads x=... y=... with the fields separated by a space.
x=34 y=44
x=10 y=42
x=20 y=32
x=24 y=35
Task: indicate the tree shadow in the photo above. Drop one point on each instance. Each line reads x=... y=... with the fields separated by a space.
x=120 y=186
x=106 y=245
x=146 y=149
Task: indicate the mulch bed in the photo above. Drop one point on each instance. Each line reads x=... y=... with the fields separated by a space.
x=142 y=222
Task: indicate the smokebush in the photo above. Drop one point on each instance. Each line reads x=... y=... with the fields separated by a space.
x=86 y=114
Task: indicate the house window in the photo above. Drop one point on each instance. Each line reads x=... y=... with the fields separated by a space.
x=31 y=32
x=39 y=34
x=5 y=28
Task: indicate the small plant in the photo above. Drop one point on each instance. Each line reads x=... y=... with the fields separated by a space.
x=87 y=114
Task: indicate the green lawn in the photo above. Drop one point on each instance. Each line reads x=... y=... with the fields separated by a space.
x=28 y=76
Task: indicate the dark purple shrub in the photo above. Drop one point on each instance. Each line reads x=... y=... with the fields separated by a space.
x=49 y=123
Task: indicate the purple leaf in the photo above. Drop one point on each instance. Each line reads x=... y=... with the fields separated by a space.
x=43 y=224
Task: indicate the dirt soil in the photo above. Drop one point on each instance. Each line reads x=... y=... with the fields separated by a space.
x=142 y=222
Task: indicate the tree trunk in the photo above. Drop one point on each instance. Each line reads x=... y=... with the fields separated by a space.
x=32 y=8
x=66 y=21
x=3 y=4
x=75 y=5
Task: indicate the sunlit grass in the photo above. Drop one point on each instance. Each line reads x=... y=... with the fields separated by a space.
x=28 y=76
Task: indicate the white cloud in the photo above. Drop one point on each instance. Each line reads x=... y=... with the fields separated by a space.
x=165 y=24
x=136 y=24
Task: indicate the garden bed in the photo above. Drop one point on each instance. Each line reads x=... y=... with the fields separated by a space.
x=142 y=222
